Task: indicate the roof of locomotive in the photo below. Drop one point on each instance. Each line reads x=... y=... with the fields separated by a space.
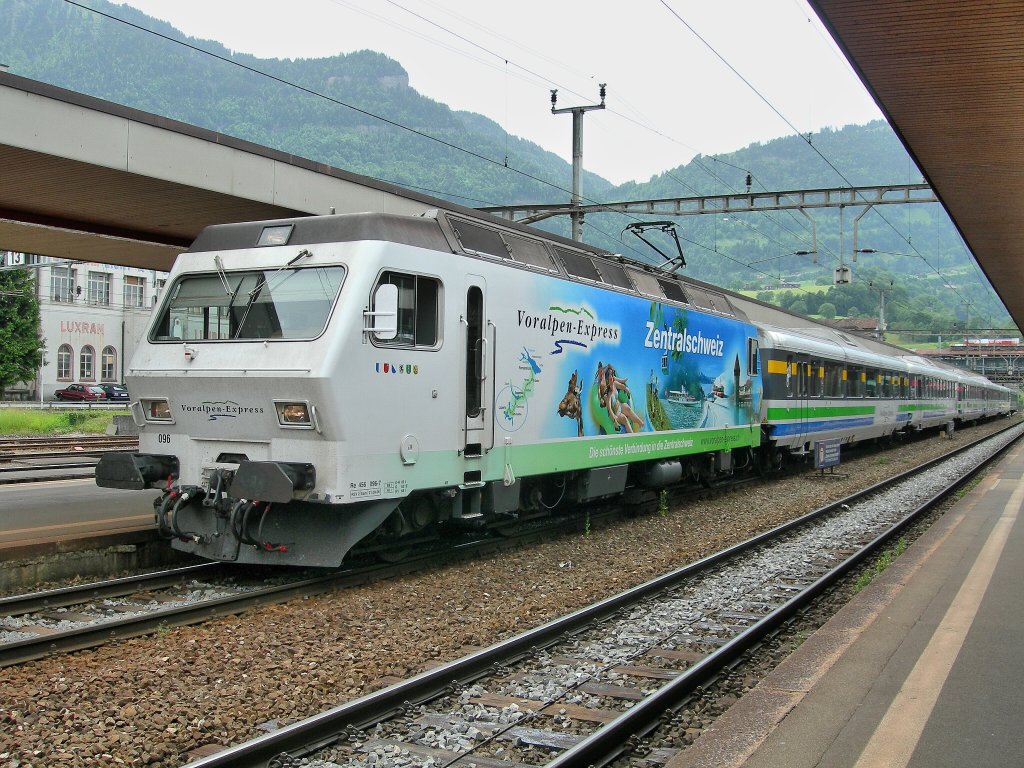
x=447 y=232
x=421 y=231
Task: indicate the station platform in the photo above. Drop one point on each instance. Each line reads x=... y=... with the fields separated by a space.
x=924 y=668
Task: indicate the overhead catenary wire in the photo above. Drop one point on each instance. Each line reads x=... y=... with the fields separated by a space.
x=504 y=162
x=451 y=145
x=797 y=132
x=331 y=99
x=339 y=102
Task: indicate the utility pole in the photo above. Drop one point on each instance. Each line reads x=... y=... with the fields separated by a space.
x=881 y=307
x=577 y=156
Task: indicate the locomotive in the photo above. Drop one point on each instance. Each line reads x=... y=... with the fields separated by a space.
x=311 y=384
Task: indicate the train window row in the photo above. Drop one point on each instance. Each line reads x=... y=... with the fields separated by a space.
x=814 y=378
x=481 y=240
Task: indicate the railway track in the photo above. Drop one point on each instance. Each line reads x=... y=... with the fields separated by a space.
x=21 y=458
x=76 y=617
x=598 y=684
x=73 y=618
x=39 y=624
x=22 y=445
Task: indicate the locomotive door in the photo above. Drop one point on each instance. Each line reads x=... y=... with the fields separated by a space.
x=478 y=365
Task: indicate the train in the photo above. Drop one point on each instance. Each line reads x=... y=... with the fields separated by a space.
x=313 y=386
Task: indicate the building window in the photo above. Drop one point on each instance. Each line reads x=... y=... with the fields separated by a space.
x=64 y=362
x=99 y=288
x=158 y=288
x=62 y=284
x=134 y=291
x=108 y=364
x=85 y=360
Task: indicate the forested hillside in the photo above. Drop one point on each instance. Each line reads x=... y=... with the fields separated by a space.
x=919 y=260
x=329 y=117
x=330 y=110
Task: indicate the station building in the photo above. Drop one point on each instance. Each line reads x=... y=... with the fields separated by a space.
x=92 y=317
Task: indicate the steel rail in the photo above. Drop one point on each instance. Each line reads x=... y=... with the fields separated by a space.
x=307 y=736
x=62 y=597
x=619 y=736
x=66 y=465
x=35 y=442
x=8 y=457
x=92 y=635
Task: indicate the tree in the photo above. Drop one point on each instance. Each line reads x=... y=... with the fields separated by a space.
x=20 y=341
x=799 y=306
x=827 y=310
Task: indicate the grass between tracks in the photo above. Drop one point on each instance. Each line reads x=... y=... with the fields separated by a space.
x=15 y=422
x=883 y=562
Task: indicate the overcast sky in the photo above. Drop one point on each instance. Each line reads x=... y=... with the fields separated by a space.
x=684 y=77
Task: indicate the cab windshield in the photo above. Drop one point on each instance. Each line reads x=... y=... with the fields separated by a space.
x=261 y=304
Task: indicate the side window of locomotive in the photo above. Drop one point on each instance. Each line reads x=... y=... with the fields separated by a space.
x=270 y=304
x=418 y=303
x=790 y=376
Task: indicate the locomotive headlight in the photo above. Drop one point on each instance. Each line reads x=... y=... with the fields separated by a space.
x=157 y=410
x=294 y=414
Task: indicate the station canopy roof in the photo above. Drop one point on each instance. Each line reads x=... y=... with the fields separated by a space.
x=949 y=77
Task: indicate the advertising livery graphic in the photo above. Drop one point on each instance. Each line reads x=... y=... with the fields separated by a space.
x=593 y=363
x=221 y=409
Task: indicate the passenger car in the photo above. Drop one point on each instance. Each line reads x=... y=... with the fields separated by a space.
x=81 y=392
x=115 y=393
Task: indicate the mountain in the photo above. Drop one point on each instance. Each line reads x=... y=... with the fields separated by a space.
x=919 y=260
x=358 y=112
x=322 y=109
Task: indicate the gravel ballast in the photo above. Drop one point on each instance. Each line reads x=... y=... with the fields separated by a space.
x=153 y=700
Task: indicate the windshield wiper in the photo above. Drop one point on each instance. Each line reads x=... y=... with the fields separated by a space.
x=254 y=294
x=217 y=262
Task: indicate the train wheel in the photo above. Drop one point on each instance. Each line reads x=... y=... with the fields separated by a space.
x=413 y=516
x=419 y=513
x=387 y=545
x=769 y=460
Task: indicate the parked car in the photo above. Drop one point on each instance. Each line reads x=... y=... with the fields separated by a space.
x=115 y=393
x=81 y=392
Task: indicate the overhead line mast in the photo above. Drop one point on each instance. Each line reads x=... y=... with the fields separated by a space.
x=577 y=157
